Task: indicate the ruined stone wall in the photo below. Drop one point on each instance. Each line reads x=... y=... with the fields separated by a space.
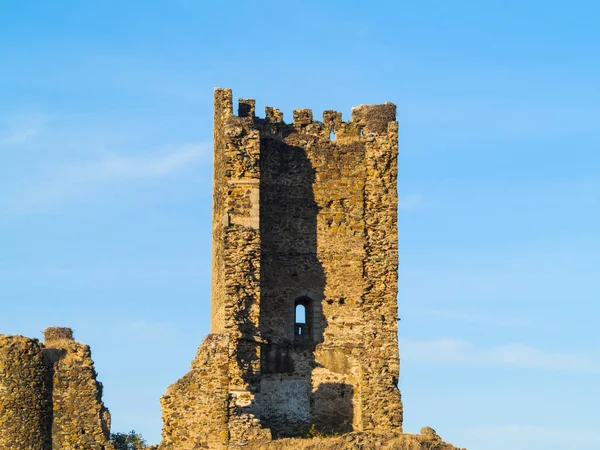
x=234 y=348
x=49 y=396
x=428 y=439
x=237 y=148
x=221 y=112
x=80 y=419
x=382 y=408
x=195 y=408
x=25 y=395
x=236 y=240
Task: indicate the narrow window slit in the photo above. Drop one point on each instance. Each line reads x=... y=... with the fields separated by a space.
x=303 y=318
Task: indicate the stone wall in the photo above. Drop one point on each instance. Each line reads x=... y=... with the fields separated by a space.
x=236 y=260
x=80 y=419
x=195 y=408
x=382 y=408
x=49 y=396
x=426 y=440
x=203 y=409
x=25 y=395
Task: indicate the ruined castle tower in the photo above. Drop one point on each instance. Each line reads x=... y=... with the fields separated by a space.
x=49 y=396
x=305 y=269
x=80 y=419
x=25 y=395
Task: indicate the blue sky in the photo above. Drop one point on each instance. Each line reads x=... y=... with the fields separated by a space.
x=105 y=189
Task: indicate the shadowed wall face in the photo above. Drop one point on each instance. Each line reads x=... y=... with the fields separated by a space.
x=327 y=223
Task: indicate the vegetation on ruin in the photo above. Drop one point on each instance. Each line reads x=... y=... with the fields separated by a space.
x=128 y=441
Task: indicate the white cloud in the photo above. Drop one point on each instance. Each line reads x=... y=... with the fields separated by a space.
x=128 y=168
x=524 y=356
x=523 y=434
x=456 y=351
x=22 y=129
x=19 y=136
x=77 y=177
x=476 y=318
x=46 y=274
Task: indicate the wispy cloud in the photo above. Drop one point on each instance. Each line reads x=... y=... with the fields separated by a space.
x=22 y=129
x=456 y=351
x=74 y=178
x=485 y=319
x=37 y=275
x=130 y=168
x=19 y=136
x=523 y=434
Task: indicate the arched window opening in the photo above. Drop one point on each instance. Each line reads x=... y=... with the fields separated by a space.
x=302 y=316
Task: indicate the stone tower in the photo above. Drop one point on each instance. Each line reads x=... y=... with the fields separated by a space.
x=305 y=268
x=50 y=398
x=25 y=395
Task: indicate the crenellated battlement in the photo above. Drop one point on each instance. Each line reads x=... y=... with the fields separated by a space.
x=367 y=121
